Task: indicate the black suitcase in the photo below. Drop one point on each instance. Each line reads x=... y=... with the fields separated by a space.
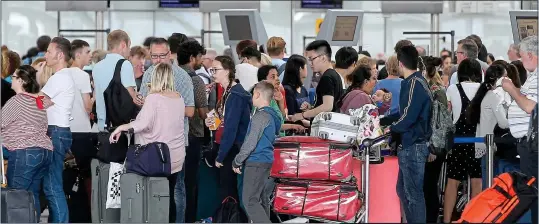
x=18 y=206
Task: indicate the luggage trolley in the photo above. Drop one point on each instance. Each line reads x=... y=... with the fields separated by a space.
x=370 y=152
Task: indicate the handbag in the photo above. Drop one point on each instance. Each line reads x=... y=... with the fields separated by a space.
x=111 y=152
x=150 y=160
x=506 y=146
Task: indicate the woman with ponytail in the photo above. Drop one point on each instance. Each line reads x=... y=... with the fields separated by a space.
x=233 y=109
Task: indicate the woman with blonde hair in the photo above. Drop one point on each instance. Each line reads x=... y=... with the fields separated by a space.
x=392 y=83
x=266 y=59
x=43 y=76
x=161 y=119
x=369 y=63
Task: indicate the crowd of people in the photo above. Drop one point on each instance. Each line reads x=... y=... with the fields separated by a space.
x=207 y=108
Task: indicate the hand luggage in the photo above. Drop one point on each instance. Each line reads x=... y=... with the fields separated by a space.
x=144 y=199
x=112 y=152
x=510 y=196
x=78 y=203
x=384 y=203
x=336 y=127
x=324 y=201
x=100 y=179
x=310 y=158
x=17 y=206
x=150 y=160
x=229 y=212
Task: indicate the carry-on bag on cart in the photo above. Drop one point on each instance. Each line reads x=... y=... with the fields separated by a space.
x=100 y=179
x=144 y=199
x=325 y=201
x=510 y=196
x=311 y=158
x=336 y=127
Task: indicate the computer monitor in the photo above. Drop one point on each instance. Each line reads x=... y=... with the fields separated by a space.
x=341 y=27
x=242 y=24
x=523 y=24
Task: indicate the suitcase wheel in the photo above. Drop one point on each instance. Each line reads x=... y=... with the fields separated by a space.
x=326 y=116
x=285 y=208
x=323 y=135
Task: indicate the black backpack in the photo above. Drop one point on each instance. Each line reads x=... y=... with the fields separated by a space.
x=229 y=212
x=119 y=104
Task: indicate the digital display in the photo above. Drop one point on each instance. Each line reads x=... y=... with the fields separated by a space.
x=345 y=28
x=321 y=4
x=239 y=28
x=179 y=3
x=527 y=26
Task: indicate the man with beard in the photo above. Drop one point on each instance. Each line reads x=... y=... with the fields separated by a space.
x=190 y=59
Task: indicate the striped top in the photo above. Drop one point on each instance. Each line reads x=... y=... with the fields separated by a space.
x=518 y=119
x=24 y=125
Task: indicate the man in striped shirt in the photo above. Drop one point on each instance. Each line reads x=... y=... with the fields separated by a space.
x=519 y=119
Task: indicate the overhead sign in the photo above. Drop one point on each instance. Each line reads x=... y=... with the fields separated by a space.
x=215 y=6
x=76 y=5
x=318 y=25
x=425 y=7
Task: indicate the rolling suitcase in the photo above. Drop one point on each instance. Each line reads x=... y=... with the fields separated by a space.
x=336 y=127
x=100 y=178
x=310 y=158
x=324 y=201
x=144 y=199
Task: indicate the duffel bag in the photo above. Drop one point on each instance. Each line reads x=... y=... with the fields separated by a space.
x=311 y=158
x=325 y=201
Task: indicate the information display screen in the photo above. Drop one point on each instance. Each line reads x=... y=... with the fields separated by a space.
x=321 y=4
x=345 y=28
x=527 y=26
x=179 y=3
x=238 y=28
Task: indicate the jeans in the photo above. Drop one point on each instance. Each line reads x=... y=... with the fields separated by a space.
x=27 y=168
x=179 y=196
x=412 y=161
x=53 y=181
x=528 y=165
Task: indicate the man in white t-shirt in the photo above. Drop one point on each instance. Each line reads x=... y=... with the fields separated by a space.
x=60 y=89
x=82 y=107
x=466 y=48
x=247 y=71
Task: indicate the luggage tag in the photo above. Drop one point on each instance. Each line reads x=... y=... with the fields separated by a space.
x=75 y=187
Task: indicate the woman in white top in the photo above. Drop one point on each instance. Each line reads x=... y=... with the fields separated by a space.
x=462 y=162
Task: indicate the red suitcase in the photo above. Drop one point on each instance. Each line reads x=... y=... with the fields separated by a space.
x=318 y=200
x=311 y=158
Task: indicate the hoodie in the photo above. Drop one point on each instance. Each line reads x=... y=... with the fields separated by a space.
x=258 y=145
x=236 y=121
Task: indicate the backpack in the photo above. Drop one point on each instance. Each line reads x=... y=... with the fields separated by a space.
x=119 y=104
x=229 y=212
x=511 y=195
x=441 y=123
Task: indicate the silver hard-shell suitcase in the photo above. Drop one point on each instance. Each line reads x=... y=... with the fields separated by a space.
x=100 y=178
x=144 y=199
x=336 y=127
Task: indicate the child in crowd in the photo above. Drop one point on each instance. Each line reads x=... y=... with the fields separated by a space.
x=257 y=153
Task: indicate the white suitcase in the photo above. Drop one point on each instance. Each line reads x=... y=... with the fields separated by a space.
x=336 y=127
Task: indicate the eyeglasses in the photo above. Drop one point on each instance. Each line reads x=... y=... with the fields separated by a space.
x=160 y=56
x=312 y=59
x=460 y=52
x=214 y=70
x=14 y=77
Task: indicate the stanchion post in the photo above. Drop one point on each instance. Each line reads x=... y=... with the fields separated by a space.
x=367 y=143
x=489 y=143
